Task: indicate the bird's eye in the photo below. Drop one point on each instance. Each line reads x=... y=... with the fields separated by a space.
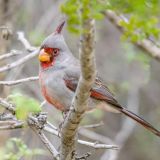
x=55 y=51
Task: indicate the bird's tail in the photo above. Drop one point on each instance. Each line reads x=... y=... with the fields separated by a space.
x=139 y=120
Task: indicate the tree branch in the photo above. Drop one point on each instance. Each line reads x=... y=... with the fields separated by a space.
x=92 y=125
x=25 y=42
x=46 y=142
x=79 y=105
x=34 y=52
x=8 y=106
x=20 y=61
x=148 y=46
x=39 y=124
x=96 y=145
x=14 y=125
x=10 y=83
x=12 y=53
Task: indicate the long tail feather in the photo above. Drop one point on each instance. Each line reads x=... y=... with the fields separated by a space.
x=140 y=121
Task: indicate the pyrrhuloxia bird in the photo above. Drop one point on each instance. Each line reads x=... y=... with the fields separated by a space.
x=59 y=75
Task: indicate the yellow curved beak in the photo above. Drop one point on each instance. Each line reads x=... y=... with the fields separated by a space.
x=44 y=56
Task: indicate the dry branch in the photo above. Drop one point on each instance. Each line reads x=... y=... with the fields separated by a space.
x=25 y=42
x=20 y=61
x=39 y=124
x=47 y=143
x=12 y=53
x=95 y=145
x=16 y=82
x=33 y=122
x=14 y=125
x=92 y=125
x=8 y=106
x=32 y=50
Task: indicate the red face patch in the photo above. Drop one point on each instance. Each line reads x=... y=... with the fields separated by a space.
x=53 y=53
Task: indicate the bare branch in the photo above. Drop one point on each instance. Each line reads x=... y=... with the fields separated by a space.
x=39 y=124
x=96 y=145
x=20 y=61
x=35 y=127
x=8 y=106
x=52 y=126
x=47 y=143
x=10 y=83
x=92 y=125
x=14 y=125
x=43 y=103
x=95 y=136
x=12 y=53
x=7 y=122
x=148 y=46
x=33 y=123
x=6 y=116
x=28 y=47
x=25 y=42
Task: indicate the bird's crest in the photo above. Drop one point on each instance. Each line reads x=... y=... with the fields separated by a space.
x=60 y=27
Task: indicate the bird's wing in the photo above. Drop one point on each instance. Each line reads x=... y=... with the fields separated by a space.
x=101 y=92
x=98 y=91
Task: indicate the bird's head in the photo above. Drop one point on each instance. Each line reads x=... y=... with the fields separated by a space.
x=53 y=49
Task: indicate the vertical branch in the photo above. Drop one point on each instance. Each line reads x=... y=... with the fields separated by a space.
x=79 y=104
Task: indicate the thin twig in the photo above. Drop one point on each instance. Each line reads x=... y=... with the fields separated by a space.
x=96 y=145
x=52 y=126
x=43 y=103
x=34 y=52
x=10 y=83
x=20 y=61
x=12 y=53
x=7 y=122
x=8 y=106
x=92 y=125
x=47 y=143
x=95 y=136
x=6 y=116
x=25 y=42
x=15 y=125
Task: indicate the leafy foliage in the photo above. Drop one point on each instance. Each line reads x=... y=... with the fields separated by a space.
x=16 y=149
x=78 y=11
x=143 y=18
x=24 y=105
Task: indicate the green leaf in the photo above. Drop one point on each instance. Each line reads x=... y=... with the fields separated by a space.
x=79 y=11
x=24 y=105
